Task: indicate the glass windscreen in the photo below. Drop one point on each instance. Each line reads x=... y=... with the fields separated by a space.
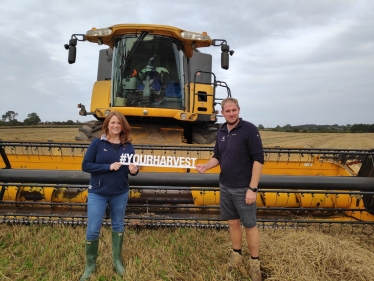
x=147 y=72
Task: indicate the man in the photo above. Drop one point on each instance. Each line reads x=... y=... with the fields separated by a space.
x=239 y=152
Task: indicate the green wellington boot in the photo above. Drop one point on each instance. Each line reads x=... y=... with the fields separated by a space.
x=117 y=240
x=92 y=248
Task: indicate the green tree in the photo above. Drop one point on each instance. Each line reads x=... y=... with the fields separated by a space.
x=261 y=127
x=287 y=128
x=9 y=115
x=32 y=119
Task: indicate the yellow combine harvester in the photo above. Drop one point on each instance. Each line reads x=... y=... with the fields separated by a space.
x=165 y=87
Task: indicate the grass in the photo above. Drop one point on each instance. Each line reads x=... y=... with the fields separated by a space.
x=57 y=253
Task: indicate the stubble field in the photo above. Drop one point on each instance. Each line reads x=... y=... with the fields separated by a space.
x=269 y=138
x=317 y=252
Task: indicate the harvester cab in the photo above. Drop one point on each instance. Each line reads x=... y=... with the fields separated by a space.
x=156 y=76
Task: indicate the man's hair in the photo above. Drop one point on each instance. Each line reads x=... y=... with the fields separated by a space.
x=226 y=100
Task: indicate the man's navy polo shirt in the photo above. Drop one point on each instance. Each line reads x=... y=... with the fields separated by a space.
x=236 y=151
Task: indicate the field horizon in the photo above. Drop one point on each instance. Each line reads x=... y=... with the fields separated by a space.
x=269 y=138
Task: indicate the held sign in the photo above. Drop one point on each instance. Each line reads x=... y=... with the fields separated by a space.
x=157 y=161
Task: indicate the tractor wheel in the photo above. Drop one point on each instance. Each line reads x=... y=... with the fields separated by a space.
x=89 y=131
x=205 y=134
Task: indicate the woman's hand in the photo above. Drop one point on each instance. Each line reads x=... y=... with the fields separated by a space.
x=133 y=169
x=115 y=166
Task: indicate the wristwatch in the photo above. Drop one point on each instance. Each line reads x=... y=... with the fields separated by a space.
x=253 y=189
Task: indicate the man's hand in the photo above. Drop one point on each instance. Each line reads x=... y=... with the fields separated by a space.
x=250 y=197
x=201 y=168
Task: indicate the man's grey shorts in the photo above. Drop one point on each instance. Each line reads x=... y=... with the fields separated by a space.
x=233 y=206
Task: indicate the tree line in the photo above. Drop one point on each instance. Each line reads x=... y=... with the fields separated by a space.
x=313 y=128
x=9 y=119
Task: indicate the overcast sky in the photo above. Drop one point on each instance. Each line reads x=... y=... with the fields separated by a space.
x=296 y=62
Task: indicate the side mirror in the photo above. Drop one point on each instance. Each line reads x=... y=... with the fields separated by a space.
x=225 y=60
x=72 y=54
x=72 y=51
x=225 y=56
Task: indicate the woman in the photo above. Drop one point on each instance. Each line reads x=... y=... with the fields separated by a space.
x=108 y=186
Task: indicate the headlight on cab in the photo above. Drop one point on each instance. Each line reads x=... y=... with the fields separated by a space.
x=99 y=32
x=195 y=36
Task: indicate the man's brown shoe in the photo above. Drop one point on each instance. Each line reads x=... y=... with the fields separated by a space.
x=255 y=270
x=235 y=260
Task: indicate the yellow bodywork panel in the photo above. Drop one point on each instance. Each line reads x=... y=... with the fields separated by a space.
x=45 y=195
x=153 y=112
x=282 y=199
x=71 y=158
x=45 y=158
x=100 y=96
x=201 y=99
x=10 y=193
x=171 y=31
x=296 y=165
x=359 y=203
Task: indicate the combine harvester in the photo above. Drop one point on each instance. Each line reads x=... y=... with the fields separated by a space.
x=165 y=87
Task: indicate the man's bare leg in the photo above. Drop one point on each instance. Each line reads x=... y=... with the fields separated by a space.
x=235 y=234
x=253 y=241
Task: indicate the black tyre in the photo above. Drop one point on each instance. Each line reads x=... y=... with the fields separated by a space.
x=369 y=203
x=204 y=134
x=89 y=131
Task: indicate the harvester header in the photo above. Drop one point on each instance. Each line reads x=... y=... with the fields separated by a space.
x=43 y=183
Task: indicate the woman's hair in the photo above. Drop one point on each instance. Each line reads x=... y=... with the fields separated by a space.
x=126 y=129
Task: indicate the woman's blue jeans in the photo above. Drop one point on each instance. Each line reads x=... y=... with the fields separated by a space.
x=96 y=207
